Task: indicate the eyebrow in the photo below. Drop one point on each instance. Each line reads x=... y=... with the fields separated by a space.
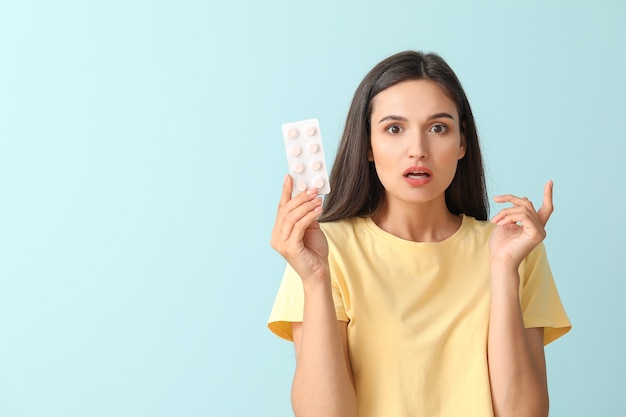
x=404 y=119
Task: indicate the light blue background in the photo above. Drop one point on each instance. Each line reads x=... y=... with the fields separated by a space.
x=141 y=161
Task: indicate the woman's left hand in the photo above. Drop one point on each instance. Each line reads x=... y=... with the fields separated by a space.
x=519 y=228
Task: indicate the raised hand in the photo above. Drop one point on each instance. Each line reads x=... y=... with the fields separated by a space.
x=297 y=236
x=519 y=228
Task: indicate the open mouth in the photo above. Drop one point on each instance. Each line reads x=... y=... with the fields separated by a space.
x=417 y=174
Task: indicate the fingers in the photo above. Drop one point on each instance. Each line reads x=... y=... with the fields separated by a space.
x=522 y=206
x=285 y=196
x=517 y=201
x=294 y=216
x=547 y=207
x=286 y=203
x=298 y=218
x=517 y=215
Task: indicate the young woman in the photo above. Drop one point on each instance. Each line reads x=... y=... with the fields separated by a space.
x=401 y=298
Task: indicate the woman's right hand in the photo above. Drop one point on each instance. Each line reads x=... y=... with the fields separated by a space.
x=297 y=235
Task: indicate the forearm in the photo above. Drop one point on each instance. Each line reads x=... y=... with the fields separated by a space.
x=518 y=382
x=322 y=383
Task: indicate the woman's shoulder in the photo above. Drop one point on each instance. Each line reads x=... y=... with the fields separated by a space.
x=477 y=227
x=477 y=224
x=342 y=226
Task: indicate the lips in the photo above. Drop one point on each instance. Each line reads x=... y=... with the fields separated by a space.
x=417 y=172
x=417 y=176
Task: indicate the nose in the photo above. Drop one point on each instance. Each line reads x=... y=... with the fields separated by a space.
x=418 y=146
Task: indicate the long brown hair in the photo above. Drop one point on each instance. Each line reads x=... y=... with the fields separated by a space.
x=355 y=187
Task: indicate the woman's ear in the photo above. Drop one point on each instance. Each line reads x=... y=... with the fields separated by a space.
x=463 y=147
x=370 y=155
x=461 y=152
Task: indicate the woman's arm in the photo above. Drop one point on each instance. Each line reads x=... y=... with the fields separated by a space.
x=322 y=384
x=517 y=368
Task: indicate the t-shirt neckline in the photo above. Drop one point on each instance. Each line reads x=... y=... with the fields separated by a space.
x=374 y=228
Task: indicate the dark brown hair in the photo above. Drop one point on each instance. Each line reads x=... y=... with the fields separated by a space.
x=355 y=187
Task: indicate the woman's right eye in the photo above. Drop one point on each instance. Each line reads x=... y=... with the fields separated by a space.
x=394 y=129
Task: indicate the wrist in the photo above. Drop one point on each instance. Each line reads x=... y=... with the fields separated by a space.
x=504 y=264
x=316 y=283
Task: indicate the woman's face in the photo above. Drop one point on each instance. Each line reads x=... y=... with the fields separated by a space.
x=416 y=141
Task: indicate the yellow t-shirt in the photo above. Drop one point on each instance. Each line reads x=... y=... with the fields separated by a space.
x=418 y=315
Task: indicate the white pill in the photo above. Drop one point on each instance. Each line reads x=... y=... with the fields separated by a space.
x=295 y=150
x=301 y=185
x=310 y=130
x=298 y=167
x=316 y=164
x=293 y=133
x=318 y=182
x=313 y=147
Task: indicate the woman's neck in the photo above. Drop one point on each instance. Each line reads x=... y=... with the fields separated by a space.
x=429 y=222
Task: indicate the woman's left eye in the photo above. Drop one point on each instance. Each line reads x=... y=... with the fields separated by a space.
x=438 y=128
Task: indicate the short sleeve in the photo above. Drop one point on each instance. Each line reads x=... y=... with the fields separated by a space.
x=289 y=304
x=540 y=301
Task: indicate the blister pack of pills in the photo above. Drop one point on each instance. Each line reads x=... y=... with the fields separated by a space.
x=305 y=156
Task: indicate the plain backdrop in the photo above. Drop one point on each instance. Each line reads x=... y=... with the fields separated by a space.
x=141 y=161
